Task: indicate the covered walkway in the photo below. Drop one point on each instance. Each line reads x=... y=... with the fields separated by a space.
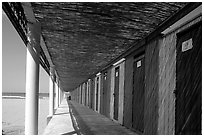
x=72 y=118
x=137 y=63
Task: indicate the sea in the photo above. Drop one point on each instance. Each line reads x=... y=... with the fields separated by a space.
x=13 y=113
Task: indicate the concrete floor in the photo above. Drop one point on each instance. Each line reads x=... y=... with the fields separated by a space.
x=72 y=118
x=61 y=122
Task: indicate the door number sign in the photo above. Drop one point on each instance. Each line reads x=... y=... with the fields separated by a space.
x=116 y=74
x=186 y=45
x=138 y=63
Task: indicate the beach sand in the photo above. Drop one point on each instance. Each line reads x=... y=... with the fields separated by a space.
x=13 y=116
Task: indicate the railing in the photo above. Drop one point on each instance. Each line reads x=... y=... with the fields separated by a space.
x=18 y=11
x=15 y=13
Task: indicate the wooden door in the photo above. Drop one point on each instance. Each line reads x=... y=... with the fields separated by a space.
x=81 y=94
x=105 y=87
x=97 y=91
x=116 y=93
x=138 y=94
x=188 y=81
x=88 y=93
x=92 y=94
x=85 y=94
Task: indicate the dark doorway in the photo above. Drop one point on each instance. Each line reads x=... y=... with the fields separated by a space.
x=138 y=94
x=88 y=93
x=81 y=94
x=97 y=90
x=116 y=93
x=105 y=87
x=85 y=92
x=189 y=80
x=92 y=93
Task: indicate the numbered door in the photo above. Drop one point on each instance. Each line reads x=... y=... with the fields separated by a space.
x=116 y=93
x=138 y=94
x=188 y=81
x=97 y=92
x=105 y=97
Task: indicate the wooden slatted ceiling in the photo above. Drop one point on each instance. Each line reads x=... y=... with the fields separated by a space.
x=83 y=37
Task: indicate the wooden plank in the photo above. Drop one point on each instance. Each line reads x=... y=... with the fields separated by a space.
x=151 y=88
x=116 y=93
x=108 y=96
x=121 y=92
x=138 y=94
x=112 y=91
x=128 y=92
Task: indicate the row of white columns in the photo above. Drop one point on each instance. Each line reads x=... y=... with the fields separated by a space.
x=54 y=93
x=32 y=82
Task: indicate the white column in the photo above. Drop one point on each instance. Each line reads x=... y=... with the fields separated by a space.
x=51 y=92
x=59 y=102
x=58 y=93
x=56 y=89
x=32 y=80
x=60 y=96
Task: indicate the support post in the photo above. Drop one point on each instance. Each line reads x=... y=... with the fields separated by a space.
x=56 y=93
x=58 y=99
x=59 y=95
x=51 y=95
x=32 y=80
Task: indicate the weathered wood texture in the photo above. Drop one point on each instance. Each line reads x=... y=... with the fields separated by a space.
x=112 y=91
x=121 y=92
x=116 y=93
x=92 y=93
x=151 y=88
x=189 y=82
x=101 y=95
x=138 y=93
x=128 y=92
x=167 y=80
x=108 y=96
x=167 y=77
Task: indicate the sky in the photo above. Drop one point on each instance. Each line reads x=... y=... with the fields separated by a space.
x=14 y=61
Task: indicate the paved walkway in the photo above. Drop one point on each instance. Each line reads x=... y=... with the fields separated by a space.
x=77 y=119
x=61 y=122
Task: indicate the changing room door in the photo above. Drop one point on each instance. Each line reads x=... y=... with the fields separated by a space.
x=92 y=93
x=97 y=90
x=138 y=94
x=104 y=92
x=116 y=93
x=188 y=81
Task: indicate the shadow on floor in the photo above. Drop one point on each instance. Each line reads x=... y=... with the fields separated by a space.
x=79 y=125
x=62 y=113
x=70 y=133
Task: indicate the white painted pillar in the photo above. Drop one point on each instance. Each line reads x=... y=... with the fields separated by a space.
x=32 y=80
x=51 y=92
x=56 y=94
x=59 y=96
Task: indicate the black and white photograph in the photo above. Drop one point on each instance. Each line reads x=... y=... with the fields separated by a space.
x=101 y=68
